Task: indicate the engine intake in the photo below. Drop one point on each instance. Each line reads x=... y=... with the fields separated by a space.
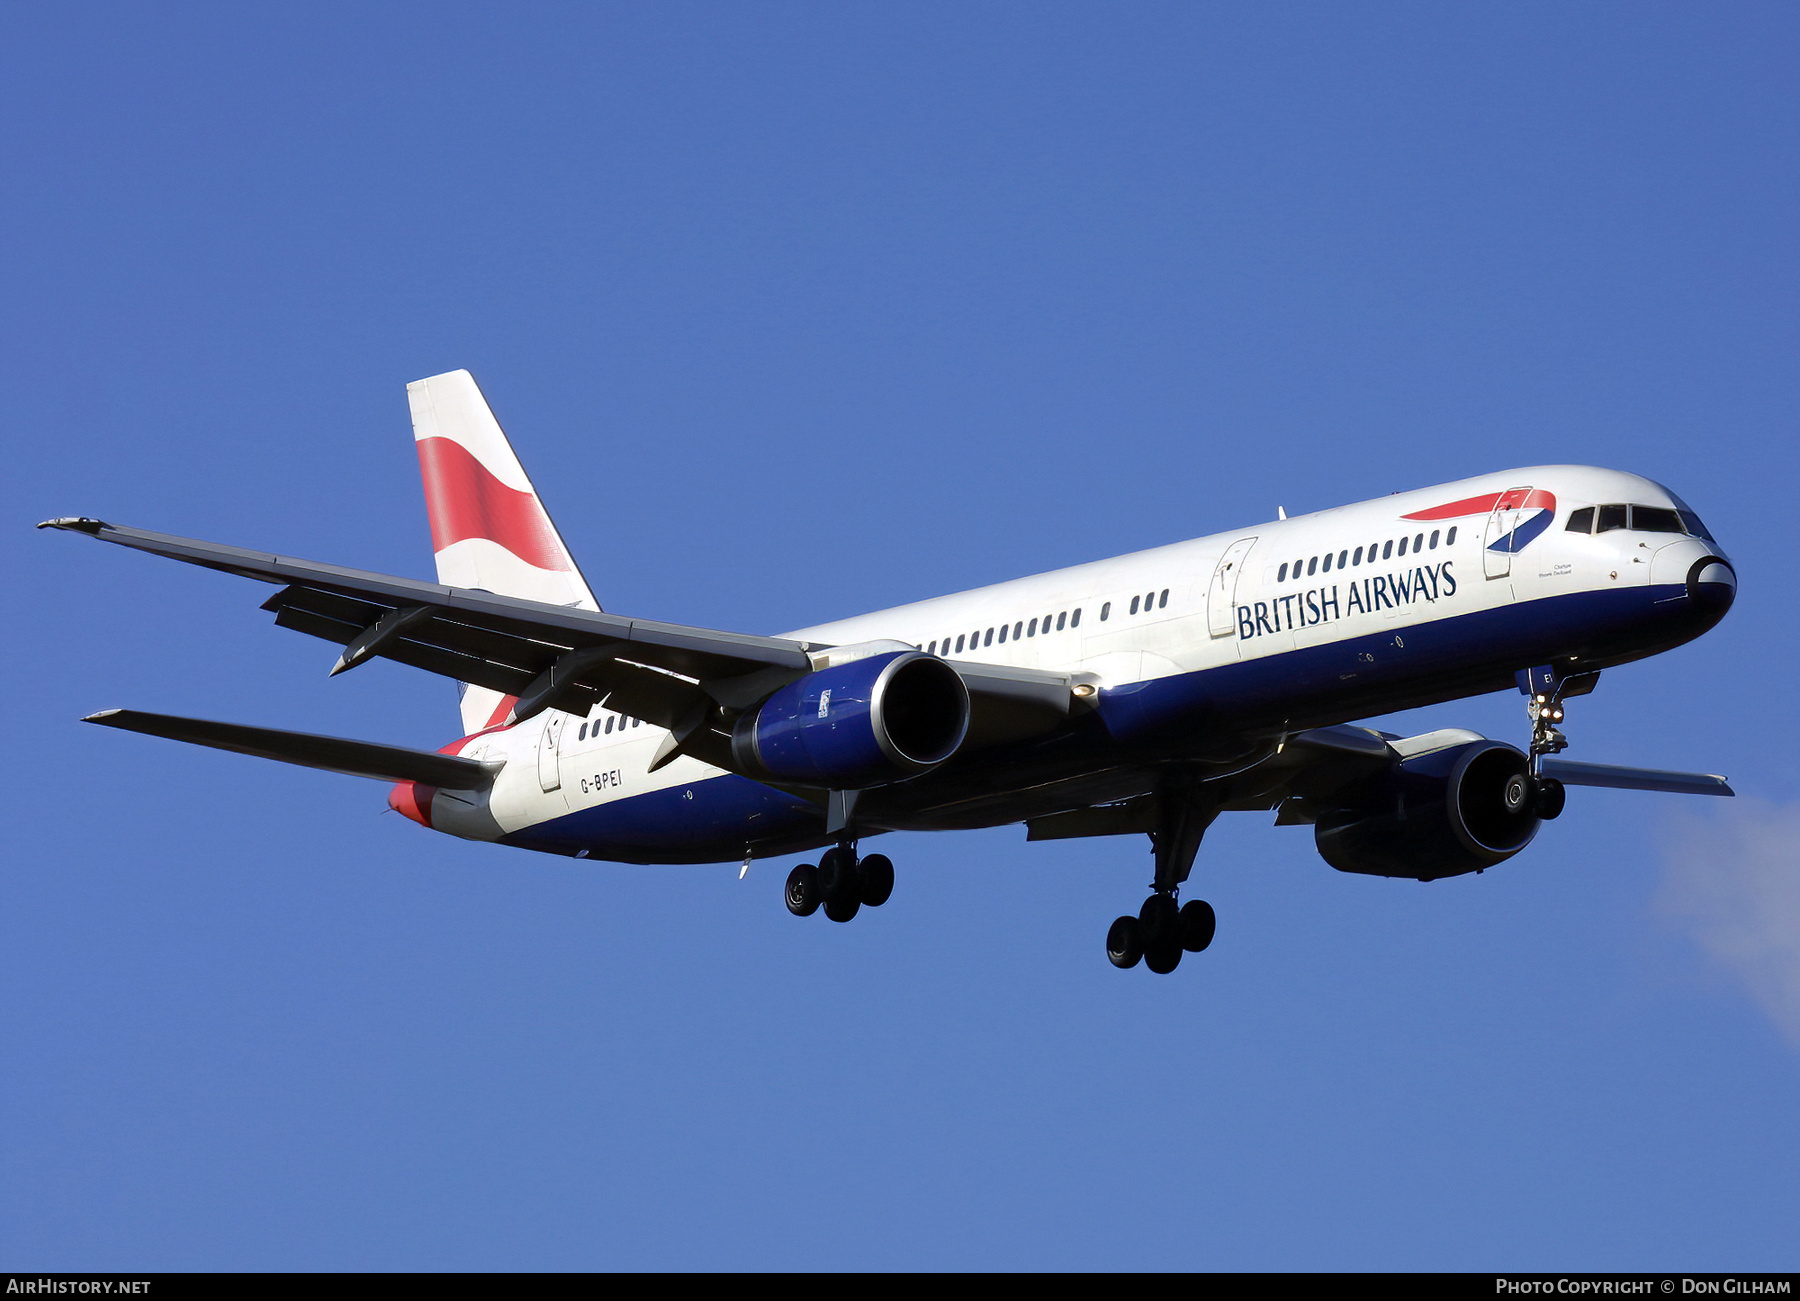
x=871 y=721
x=1443 y=813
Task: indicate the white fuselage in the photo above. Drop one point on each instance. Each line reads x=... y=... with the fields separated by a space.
x=1250 y=594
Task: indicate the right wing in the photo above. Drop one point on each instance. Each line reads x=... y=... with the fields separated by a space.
x=1572 y=773
x=1302 y=775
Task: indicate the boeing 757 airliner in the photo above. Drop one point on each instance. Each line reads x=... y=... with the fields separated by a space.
x=1144 y=694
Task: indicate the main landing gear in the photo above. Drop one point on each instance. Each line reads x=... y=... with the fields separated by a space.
x=841 y=882
x=1163 y=929
x=1161 y=933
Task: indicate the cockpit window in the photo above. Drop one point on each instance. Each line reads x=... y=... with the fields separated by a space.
x=1693 y=524
x=1655 y=519
x=1640 y=519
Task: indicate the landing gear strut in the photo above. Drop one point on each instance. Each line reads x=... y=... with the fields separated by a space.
x=841 y=882
x=1163 y=929
x=1545 y=690
x=1545 y=711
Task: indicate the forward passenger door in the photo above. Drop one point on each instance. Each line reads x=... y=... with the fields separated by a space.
x=1221 y=597
x=1506 y=516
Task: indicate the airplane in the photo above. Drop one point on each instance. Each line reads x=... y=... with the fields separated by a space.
x=1141 y=695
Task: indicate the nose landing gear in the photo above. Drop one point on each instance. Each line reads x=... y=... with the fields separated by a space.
x=1545 y=689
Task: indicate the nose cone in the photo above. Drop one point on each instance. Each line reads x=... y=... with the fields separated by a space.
x=1712 y=586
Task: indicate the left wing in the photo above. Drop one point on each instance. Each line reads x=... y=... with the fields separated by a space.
x=690 y=681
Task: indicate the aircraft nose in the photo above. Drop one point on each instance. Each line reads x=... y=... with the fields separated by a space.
x=1712 y=585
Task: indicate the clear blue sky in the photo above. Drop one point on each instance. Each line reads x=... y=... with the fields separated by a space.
x=799 y=310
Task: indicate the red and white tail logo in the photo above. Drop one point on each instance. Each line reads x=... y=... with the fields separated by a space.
x=488 y=527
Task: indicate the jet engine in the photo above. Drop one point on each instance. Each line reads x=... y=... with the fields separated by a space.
x=1459 y=809
x=873 y=720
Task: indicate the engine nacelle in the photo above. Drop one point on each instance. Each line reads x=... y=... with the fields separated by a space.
x=871 y=721
x=1443 y=813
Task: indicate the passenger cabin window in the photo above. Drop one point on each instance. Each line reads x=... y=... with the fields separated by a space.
x=1061 y=619
x=989 y=640
x=1312 y=566
x=1450 y=537
x=1418 y=544
x=959 y=645
x=1106 y=608
x=1280 y=577
x=1402 y=546
x=1003 y=634
x=1388 y=550
x=1434 y=539
x=1356 y=556
x=1610 y=518
x=1018 y=628
x=1075 y=618
x=1134 y=603
x=1327 y=564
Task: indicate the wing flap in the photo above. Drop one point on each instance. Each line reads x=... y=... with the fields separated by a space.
x=1133 y=817
x=1013 y=704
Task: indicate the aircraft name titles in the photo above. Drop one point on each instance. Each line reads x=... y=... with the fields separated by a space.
x=1364 y=596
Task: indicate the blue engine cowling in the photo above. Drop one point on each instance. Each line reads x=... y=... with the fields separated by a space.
x=1443 y=813
x=865 y=723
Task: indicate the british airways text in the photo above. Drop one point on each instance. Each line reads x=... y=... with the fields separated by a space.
x=1319 y=604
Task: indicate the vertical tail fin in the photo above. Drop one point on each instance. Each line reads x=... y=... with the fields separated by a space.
x=488 y=527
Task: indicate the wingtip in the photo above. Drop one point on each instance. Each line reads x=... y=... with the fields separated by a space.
x=103 y=717
x=75 y=524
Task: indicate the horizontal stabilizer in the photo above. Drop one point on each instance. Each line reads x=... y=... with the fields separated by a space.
x=393 y=763
x=1571 y=773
